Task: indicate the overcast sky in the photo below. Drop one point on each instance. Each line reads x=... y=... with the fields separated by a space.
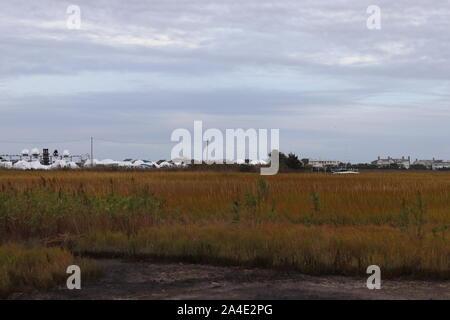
x=137 y=70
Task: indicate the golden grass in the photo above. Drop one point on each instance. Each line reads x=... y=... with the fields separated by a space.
x=314 y=223
x=23 y=268
x=369 y=196
x=314 y=250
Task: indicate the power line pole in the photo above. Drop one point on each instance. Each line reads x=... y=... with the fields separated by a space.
x=92 y=152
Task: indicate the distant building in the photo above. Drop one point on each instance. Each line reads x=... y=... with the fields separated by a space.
x=440 y=164
x=385 y=163
x=426 y=163
x=433 y=164
x=320 y=163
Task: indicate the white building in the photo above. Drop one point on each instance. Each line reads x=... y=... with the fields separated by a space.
x=433 y=164
x=440 y=164
x=426 y=163
x=320 y=163
x=401 y=162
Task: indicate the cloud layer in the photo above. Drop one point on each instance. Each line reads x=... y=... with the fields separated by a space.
x=137 y=70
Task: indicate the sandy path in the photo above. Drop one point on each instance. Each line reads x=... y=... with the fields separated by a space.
x=148 y=280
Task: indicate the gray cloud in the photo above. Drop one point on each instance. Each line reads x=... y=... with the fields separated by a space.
x=139 y=69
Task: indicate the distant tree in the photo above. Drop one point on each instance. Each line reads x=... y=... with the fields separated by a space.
x=365 y=166
x=245 y=168
x=289 y=162
x=281 y=156
x=418 y=167
x=292 y=161
x=394 y=166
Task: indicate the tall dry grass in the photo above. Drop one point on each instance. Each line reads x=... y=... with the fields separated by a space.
x=28 y=267
x=345 y=250
x=310 y=222
x=36 y=204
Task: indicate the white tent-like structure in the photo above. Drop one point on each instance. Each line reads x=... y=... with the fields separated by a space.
x=31 y=161
x=6 y=164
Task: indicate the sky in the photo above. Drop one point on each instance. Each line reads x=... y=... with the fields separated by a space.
x=137 y=70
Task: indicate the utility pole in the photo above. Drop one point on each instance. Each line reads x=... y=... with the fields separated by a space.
x=92 y=152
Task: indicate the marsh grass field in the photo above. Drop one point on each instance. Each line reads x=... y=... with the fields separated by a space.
x=316 y=224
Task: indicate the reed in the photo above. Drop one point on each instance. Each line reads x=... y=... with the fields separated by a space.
x=28 y=267
x=315 y=223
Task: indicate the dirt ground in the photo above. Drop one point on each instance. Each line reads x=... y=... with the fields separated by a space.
x=149 y=280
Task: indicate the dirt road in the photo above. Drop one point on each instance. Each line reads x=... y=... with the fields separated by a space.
x=149 y=280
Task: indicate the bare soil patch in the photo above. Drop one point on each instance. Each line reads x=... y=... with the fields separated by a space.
x=149 y=280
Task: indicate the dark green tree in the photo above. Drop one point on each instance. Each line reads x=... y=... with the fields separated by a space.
x=292 y=161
